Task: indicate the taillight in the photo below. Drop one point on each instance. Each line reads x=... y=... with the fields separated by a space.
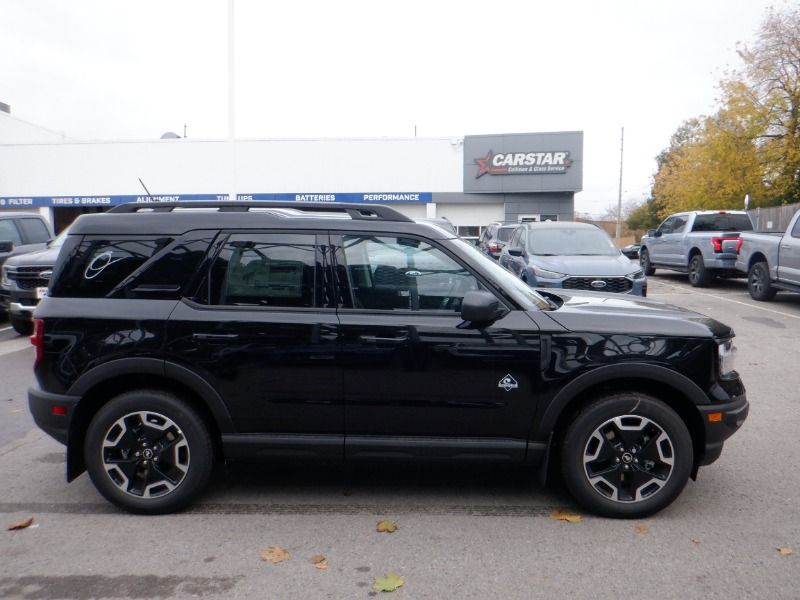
x=493 y=247
x=739 y=245
x=717 y=242
x=37 y=339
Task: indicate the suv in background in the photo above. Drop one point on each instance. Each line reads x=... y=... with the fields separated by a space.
x=24 y=282
x=20 y=232
x=495 y=237
x=703 y=244
x=573 y=256
x=176 y=334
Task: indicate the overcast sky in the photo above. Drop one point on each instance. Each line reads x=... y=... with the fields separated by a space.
x=133 y=70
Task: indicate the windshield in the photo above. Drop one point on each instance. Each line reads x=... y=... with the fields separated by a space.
x=572 y=242
x=503 y=279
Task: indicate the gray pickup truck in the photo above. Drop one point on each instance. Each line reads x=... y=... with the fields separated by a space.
x=701 y=243
x=771 y=261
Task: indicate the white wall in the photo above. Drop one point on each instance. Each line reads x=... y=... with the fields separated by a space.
x=248 y=166
x=17 y=131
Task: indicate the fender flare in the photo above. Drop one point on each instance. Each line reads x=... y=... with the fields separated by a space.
x=166 y=369
x=655 y=373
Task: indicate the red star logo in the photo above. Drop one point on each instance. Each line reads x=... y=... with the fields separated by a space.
x=484 y=164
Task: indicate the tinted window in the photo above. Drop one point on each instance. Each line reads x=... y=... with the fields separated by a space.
x=667 y=225
x=505 y=233
x=722 y=222
x=573 y=242
x=97 y=266
x=265 y=270
x=8 y=232
x=391 y=273
x=679 y=224
x=34 y=230
x=796 y=229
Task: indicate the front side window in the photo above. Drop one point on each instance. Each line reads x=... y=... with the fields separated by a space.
x=667 y=225
x=34 y=230
x=397 y=273
x=268 y=270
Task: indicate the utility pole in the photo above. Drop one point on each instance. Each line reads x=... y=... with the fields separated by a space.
x=232 y=100
x=619 y=197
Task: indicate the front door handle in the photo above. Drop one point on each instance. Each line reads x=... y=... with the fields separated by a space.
x=374 y=339
x=214 y=337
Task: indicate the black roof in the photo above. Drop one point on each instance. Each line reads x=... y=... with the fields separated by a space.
x=176 y=218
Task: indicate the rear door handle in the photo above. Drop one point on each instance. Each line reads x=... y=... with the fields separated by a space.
x=214 y=337
x=786 y=246
x=374 y=339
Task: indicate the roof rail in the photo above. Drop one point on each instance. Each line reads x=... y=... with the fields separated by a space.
x=375 y=212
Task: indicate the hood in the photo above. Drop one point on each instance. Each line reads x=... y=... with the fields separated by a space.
x=615 y=313
x=594 y=266
x=40 y=258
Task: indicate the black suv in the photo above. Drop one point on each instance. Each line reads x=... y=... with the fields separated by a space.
x=173 y=335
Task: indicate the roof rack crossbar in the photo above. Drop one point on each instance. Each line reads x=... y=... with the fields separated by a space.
x=355 y=211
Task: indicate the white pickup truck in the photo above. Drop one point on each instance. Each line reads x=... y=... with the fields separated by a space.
x=771 y=261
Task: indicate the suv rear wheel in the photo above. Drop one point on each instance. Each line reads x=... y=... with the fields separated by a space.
x=627 y=455
x=148 y=452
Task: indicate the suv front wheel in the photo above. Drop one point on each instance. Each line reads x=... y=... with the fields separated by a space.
x=148 y=452
x=626 y=455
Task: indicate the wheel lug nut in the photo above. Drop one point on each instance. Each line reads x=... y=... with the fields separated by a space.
x=636 y=460
x=616 y=460
x=138 y=453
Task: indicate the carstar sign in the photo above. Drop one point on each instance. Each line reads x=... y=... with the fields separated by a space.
x=523 y=163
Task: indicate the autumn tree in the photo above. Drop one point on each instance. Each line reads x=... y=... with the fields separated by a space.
x=751 y=145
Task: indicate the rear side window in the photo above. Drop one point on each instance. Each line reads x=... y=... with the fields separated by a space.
x=269 y=270
x=722 y=222
x=34 y=230
x=8 y=232
x=98 y=265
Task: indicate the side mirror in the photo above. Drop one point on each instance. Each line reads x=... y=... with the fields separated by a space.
x=516 y=251
x=480 y=307
x=6 y=246
x=650 y=232
x=658 y=233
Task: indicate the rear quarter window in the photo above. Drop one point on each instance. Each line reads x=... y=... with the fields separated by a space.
x=96 y=266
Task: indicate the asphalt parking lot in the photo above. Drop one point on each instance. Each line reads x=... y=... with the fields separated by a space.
x=463 y=532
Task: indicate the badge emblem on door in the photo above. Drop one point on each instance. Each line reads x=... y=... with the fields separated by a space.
x=508 y=383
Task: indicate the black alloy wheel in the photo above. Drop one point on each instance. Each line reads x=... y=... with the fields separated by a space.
x=627 y=455
x=148 y=452
x=644 y=262
x=699 y=276
x=759 y=284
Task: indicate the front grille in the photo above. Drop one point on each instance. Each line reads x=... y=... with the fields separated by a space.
x=27 y=278
x=618 y=285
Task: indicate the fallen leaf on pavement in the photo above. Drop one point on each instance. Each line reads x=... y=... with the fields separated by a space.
x=785 y=551
x=319 y=561
x=565 y=516
x=642 y=529
x=21 y=524
x=388 y=583
x=274 y=555
x=386 y=527
x=695 y=541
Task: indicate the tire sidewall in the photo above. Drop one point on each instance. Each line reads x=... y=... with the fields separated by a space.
x=601 y=411
x=644 y=262
x=760 y=269
x=190 y=424
x=698 y=274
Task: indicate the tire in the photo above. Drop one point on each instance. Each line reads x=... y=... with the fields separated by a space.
x=759 y=284
x=699 y=276
x=143 y=421
x=594 y=443
x=644 y=262
x=21 y=326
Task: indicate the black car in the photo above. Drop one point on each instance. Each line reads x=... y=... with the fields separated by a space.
x=174 y=335
x=495 y=237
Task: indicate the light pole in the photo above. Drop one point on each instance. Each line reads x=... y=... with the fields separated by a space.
x=619 y=196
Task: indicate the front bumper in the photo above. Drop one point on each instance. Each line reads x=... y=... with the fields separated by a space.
x=46 y=409
x=732 y=415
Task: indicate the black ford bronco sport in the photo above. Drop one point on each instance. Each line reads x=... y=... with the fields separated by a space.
x=173 y=335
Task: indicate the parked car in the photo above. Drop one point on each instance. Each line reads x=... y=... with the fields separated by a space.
x=495 y=237
x=24 y=281
x=20 y=232
x=171 y=338
x=573 y=256
x=631 y=251
x=771 y=261
x=442 y=222
x=701 y=243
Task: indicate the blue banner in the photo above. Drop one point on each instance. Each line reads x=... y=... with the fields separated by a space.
x=87 y=201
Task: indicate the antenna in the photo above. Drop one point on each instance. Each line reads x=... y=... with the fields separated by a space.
x=149 y=195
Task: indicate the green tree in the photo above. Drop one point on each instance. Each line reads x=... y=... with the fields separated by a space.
x=644 y=217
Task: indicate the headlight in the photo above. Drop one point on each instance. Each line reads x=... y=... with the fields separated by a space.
x=545 y=274
x=727 y=358
x=6 y=281
x=636 y=274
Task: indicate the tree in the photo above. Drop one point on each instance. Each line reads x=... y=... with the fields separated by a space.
x=644 y=217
